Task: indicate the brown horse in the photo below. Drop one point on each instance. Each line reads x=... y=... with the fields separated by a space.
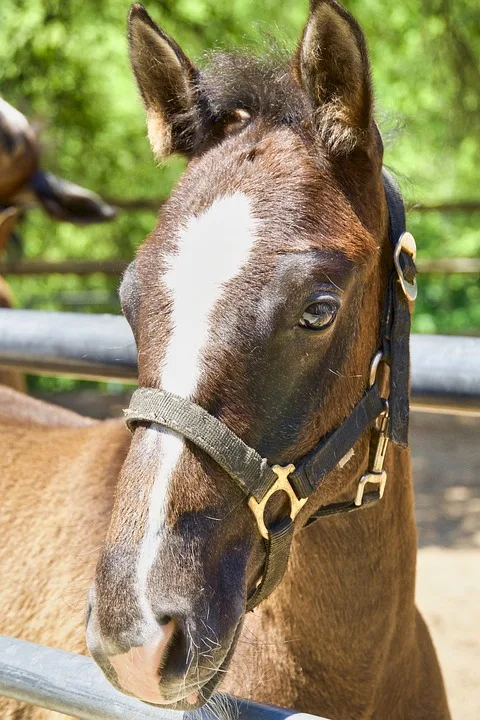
x=24 y=185
x=12 y=378
x=258 y=296
x=8 y=218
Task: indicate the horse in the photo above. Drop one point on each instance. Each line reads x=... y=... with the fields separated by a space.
x=23 y=184
x=271 y=315
x=12 y=378
x=8 y=218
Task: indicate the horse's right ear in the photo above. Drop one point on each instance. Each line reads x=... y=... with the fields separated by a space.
x=166 y=80
x=333 y=68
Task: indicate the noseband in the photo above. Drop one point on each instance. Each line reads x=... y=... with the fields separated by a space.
x=253 y=474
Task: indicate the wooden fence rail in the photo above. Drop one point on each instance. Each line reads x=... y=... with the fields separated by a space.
x=465 y=266
x=154 y=204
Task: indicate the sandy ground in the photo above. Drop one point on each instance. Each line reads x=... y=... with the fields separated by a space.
x=446 y=463
x=448 y=592
x=446 y=466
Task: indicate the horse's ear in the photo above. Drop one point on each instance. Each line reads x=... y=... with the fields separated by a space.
x=332 y=66
x=166 y=80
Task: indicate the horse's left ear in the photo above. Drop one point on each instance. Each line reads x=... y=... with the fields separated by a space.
x=332 y=66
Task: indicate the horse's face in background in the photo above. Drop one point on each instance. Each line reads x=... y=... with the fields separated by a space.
x=257 y=296
x=23 y=184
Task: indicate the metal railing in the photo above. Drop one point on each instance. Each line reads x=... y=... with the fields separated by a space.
x=74 y=685
x=445 y=369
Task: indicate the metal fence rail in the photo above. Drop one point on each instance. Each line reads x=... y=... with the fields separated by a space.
x=74 y=685
x=87 y=346
x=445 y=370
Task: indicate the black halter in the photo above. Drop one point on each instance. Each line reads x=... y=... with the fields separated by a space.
x=255 y=476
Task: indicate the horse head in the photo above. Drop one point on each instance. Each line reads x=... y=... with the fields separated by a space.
x=24 y=184
x=257 y=297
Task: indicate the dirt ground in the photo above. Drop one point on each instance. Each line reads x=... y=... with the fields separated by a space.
x=446 y=466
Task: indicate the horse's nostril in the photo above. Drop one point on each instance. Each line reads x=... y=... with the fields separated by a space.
x=139 y=671
x=163 y=619
x=88 y=612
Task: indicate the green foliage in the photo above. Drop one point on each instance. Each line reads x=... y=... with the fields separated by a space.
x=64 y=63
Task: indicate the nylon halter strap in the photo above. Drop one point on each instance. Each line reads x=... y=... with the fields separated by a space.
x=255 y=476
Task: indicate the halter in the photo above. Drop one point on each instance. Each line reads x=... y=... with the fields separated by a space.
x=253 y=474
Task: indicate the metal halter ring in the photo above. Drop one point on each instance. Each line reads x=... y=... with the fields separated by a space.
x=374 y=365
x=406 y=244
x=282 y=483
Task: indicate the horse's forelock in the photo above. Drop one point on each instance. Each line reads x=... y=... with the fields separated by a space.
x=263 y=86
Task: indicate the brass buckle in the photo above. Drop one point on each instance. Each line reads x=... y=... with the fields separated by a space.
x=282 y=483
x=406 y=243
x=376 y=474
x=370 y=477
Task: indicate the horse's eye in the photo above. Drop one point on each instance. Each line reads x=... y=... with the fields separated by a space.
x=319 y=315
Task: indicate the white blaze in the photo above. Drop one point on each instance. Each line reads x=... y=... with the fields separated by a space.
x=212 y=249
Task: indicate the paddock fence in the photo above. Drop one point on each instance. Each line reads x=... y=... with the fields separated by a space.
x=445 y=369
x=74 y=685
x=115 y=267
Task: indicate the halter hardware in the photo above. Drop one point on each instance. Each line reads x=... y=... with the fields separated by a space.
x=376 y=474
x=374 y=365
x=406 y=244
x=386 y=420
x=281 y=483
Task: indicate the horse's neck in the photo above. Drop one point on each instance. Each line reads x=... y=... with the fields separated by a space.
x=345 y=607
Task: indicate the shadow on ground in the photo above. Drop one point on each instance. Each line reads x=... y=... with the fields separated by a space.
x=446 y=471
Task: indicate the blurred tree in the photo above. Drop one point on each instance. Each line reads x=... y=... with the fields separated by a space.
x=64 y=64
